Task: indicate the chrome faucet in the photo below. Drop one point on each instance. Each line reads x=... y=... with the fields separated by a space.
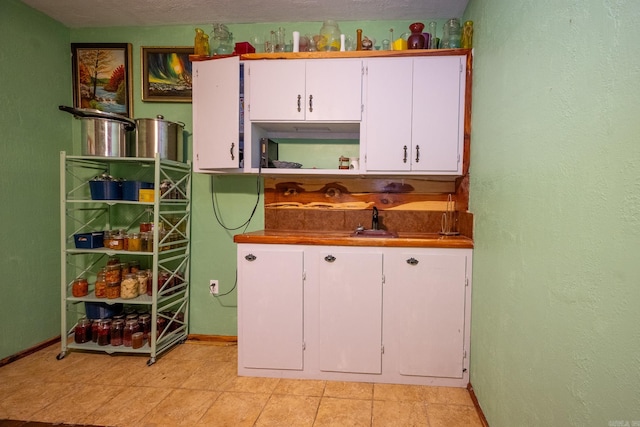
x=374 y=219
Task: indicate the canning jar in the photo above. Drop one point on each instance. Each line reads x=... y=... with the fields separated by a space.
x=100 y=287
x=129 y=329
x=82 y=331
x=95 y=325
x=161 y=323
x=134 y=266
x=163 y=277
x=150 y=282
x=145 y=227
x=124 y=269
x=113 y=260
x=116 y=332
x=129 y=287
x=144 y=320
x=113 y=290
x=103 y=332
x=80 y=287
x=137 y=340
x=112 y=273
x=117 y=241
x=134 y=242
x=142 y=279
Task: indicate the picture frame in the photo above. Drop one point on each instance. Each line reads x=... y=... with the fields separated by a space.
x=166 y=73
x=102 y=78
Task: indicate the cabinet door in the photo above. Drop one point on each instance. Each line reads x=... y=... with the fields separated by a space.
x=425 y=312
x=388 y=114
x=270 y=301
x=334 y=90
x=276 y=90
x=317 y=90
x=216 y=90
x=350 y=311
x=438 y=114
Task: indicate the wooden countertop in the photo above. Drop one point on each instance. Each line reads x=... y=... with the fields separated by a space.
x=342 y=238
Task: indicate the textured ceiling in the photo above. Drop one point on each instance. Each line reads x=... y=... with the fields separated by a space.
x=109 y=13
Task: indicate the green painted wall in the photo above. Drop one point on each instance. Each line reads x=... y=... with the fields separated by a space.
x=555 y=189
x=35 y=79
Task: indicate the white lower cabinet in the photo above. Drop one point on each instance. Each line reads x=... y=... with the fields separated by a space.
x=373 y=314
x=350 y=310
x=270 y=286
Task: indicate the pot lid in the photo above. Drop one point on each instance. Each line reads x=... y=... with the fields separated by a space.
x=91 y=113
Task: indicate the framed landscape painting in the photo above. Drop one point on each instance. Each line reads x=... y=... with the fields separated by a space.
x=102 y=77
x=166 y=74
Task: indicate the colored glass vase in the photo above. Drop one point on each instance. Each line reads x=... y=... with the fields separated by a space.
x=416 y=39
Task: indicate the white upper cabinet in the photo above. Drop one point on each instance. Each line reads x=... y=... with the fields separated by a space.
x=415 y=109
x=216 y=114
x=305 y=90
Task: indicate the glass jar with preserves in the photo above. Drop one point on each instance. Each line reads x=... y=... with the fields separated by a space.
x=137 y=340
x=113 y=290
x=80 y=287
x=104 y=330
x=116 y=332
x=112 y=273
x=82 y=331
x=134 y=242
x=145 y=227
x=95 y=325
x=163 y=278
x=134 y=266
x=142 y=282
x=131 y=316
x=161 y=323
x=100 y=287
x=130 y=328
x=145 y=324
x=124 y=269
x=150 y=282
x=117 y=241
x=129 y=287
x=113 y=260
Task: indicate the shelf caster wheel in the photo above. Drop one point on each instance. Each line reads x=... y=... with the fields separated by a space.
x=61 y=355
x=151 y=361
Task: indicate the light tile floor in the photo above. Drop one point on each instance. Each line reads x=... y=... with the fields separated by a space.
x=196 y=384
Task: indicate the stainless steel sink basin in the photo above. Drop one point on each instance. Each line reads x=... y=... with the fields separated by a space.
x=374 y=233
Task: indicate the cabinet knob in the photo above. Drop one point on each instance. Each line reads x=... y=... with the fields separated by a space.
x=404 y=159
x=311 y=103
x=417 y=154
x=329 y=258
x=250 y=257
x=412 y=261
x=299 y=102
x=231 y=151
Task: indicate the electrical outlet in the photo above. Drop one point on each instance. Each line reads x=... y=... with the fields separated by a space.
x=213 y=287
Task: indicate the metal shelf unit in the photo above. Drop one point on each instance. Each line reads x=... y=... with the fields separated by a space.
x=170 y=210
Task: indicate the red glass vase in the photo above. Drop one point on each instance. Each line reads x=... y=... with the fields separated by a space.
x=416 y=39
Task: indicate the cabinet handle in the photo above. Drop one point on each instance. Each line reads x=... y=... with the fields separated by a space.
x=417 y=154
x=329 y=258
x=311 y=103
x=299 y=101
x=231 y=151
x=412 y=261
x=404 y=159
x=250 y=257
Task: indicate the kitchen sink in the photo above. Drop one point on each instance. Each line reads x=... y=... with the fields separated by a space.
x=374 y=233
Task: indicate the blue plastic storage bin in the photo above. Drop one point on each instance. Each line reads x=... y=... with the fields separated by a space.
x=101 y=310
x=105 y=190
x=89 y=240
